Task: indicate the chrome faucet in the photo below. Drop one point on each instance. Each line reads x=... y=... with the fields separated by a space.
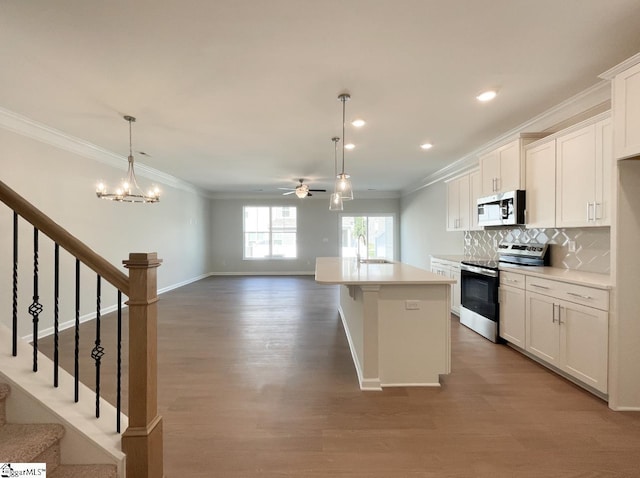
x=364 y=241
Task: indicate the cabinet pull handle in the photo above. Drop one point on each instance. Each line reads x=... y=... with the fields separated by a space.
x=588 y=297
x=591 y=211
x=540 y=286
x=597 y=216
x=560 y=322
x=553 y=315
x=511 y=280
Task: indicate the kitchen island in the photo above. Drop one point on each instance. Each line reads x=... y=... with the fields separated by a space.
x=397 y=320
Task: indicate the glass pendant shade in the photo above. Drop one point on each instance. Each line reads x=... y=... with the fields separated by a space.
x=335 y=203
x=343 y=187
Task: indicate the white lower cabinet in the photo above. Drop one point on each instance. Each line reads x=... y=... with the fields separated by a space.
x=571 y=336
x=512 y=308
x=449 y=269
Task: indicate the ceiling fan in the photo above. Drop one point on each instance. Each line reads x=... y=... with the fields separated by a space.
x=301 y=190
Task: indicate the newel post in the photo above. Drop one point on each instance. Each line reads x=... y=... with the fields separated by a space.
x=142 y=441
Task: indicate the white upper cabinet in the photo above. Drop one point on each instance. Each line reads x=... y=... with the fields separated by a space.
x=583 y=176
x=569 y=174
x=458 y=204
x=540 y=164
x=475 y=192
x=626 y=106
x=502 y=169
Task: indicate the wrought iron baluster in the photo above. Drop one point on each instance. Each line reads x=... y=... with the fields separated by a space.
x=36 y=307
x=119 y=378
x=98 y=351
x=15 y=285
x=56 y=311
x=76 y=366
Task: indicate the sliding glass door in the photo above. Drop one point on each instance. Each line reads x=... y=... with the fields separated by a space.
x=373 y=235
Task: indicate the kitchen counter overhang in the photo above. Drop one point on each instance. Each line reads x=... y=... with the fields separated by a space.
x=396 y=318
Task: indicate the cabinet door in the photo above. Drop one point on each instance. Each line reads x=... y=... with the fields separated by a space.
x=604 y=173
x=458 y=204
x=584 y=342
x=540 y=167
x=510 y=167
x=512 y=314
x=542 y=334
x=453 y=205
x=455 y=290
x=576 y=178
x=489 y=172
x=626 y=98
x=475 y=191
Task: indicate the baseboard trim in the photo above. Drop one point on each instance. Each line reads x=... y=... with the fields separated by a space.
x=264 y=273
x=370 y=384
x=183 y=283
x=426 y=384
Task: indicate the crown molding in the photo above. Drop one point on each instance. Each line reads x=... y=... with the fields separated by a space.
x=24 y=126
x=620 y=67
x=594 y=95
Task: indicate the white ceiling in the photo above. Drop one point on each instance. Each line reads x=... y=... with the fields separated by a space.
x=241 y=95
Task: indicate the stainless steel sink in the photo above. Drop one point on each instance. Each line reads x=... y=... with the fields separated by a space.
x=375 y=261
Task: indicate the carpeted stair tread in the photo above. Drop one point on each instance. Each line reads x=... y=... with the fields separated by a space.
x=4 y=391
x=23 y=442
x=83 y=471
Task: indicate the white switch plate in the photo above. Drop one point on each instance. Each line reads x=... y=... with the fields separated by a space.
x=571 y=246
x=412 y=305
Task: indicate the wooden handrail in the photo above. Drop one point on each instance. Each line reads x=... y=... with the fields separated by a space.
x=62 y=237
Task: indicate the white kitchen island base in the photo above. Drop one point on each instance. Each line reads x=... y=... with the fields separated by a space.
x=397 y=321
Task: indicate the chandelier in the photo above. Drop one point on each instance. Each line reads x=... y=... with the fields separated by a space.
x=335 y=202
x=343 y=183
x=128 y=190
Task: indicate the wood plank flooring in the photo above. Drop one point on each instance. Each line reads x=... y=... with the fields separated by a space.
x=256 y=380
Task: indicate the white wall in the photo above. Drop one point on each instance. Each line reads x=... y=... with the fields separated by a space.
x=62 y=185
x=422 y=226
x=317 y=232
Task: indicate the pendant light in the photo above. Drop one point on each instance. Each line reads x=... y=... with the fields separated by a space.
x=129 y=191
x=335 y=202
x=343 y=183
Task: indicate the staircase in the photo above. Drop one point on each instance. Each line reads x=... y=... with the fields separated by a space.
x=40 y=443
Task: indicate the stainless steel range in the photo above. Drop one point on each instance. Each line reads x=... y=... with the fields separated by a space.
x=480 y=310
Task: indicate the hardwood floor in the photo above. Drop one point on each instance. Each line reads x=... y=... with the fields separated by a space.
x=256 y=380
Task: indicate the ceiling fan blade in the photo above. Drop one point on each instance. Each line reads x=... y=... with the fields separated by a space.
x=287 y=189
x=287 y=193
x=318 y=190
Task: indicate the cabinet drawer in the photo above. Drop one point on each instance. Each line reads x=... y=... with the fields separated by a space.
x=512 y=279
x=578 y=294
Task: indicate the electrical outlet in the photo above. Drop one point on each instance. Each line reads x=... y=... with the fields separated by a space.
x=572 y=246
x=495 y=242
x=475 y=242
x=412 y=305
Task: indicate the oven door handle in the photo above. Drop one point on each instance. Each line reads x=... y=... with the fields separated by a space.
x=479 y=270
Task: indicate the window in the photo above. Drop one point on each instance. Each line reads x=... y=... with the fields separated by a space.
x=270 y=232
x=378 y=231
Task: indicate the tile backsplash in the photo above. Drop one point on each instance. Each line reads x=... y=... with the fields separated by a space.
x=592 y=245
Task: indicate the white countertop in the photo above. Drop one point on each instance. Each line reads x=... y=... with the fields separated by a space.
x=336 y=270
x=591 y=279
x=449 y=257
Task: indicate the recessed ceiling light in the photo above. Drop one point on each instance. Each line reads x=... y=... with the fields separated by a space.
x=426 y=146
x=359 y=123
x=487 y=95
x=349 y=146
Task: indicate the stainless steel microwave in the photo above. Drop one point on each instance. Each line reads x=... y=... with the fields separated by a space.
x=502 y=209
